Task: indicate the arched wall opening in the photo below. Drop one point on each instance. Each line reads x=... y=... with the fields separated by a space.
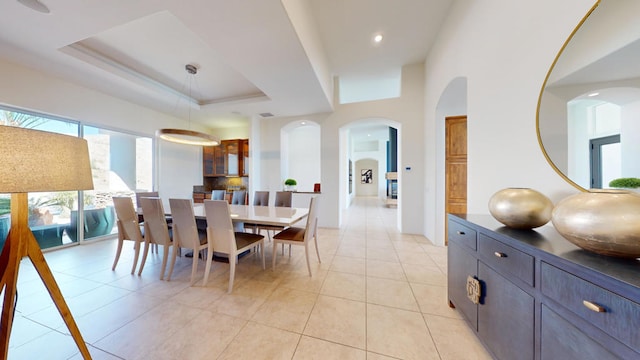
x=452 y=102
x=300 y=153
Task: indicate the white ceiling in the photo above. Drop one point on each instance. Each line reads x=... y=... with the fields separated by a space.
x=254 y=56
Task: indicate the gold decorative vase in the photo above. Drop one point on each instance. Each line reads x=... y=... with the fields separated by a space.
x=520 y=208
x=606 y=222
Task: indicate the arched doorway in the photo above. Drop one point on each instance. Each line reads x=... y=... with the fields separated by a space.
x=366 y=139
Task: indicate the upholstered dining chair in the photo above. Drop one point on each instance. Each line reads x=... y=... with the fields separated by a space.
x=300 y=236
x=187 y=235
x=218 y=194
x=225 y=241
x=128 y=229
x=239 y=197
x=156 y=231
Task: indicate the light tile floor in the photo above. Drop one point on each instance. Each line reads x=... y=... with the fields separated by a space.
x=377 y=294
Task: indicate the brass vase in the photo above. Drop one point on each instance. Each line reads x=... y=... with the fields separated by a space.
x=606 y=222
x=520 y=208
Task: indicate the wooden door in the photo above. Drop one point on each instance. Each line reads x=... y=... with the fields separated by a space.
x=455 y=166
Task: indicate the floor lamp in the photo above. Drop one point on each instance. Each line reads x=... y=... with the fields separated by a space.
x=35 y=161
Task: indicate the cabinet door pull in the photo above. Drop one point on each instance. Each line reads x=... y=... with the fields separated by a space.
x=461 y=233
x=593 y=306
x=499 y=254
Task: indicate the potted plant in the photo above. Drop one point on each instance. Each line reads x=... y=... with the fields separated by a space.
x=625 y=183
x=290 y=185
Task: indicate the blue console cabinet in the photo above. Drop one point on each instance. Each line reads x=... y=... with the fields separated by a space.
x=540 y=297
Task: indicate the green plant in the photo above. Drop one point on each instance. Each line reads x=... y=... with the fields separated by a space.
x=625 y=183
x=290 y=182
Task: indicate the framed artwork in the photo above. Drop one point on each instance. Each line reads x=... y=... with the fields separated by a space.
x=366 y=176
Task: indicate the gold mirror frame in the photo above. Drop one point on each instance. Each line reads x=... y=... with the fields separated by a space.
x=544 y=86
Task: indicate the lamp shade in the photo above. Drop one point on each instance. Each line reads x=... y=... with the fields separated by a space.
x=33 y=160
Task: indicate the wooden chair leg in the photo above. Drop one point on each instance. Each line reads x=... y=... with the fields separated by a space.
x=165 y=256
x=118 y=251
x=194 y=265
x=275 y=253
x=306 y=255
x=136 y=255
x=173 y=261
x=144 y=257
x=315 y=240
x=232 y=270
x=207 y=268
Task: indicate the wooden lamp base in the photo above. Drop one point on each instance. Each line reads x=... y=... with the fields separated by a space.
x=20 y=243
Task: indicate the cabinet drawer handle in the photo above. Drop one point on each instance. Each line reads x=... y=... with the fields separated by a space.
x=499 y=254
x=461 y=233
x=593 y=306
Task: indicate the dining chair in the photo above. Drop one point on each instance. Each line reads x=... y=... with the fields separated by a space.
x=260 y=198
x=300 y=236
x=239 y=197
x=283 y=199
x=156 y=231
x=142 y=194
x=128 y=228
x=225 y=241
x=218 y=194
x=187 y=235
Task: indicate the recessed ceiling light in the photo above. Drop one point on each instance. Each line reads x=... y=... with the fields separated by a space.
x=377 y=38
x=35 y=5
x=593 y=94
x=303 y=123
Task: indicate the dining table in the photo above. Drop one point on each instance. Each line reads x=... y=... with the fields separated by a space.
x=259 y=215
x=253 y=214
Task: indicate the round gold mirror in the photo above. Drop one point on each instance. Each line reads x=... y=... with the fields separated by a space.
x=588 y=118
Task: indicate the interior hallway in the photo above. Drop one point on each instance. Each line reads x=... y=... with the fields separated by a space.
x=377 y=294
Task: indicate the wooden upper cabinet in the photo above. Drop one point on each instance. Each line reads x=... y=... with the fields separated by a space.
x=244 y=146
x=230 y=158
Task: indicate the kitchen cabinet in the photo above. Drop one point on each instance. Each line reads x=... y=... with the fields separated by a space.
x=230 y=158
x=531 y=294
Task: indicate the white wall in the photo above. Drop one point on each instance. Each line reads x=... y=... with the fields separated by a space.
x=179 y=167
x=630 y=140
x=378 y=163
x=504 y=50
x=303 y=155
x=370 y=189
x=404 y=113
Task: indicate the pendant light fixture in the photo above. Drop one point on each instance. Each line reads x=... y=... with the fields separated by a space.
x=188 y=137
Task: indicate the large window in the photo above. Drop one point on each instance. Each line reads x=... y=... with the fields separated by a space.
x=121 y=164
